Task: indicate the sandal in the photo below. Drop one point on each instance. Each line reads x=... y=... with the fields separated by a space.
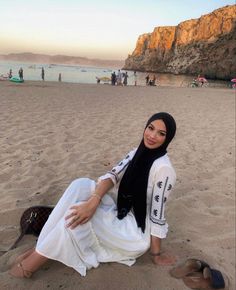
x=23 y=273
x=189 y=266
x=208 y=279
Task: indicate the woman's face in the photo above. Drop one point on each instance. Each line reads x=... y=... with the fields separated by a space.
x=155 y=134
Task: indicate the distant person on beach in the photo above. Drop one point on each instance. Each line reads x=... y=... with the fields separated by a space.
x=113 y=79
x=10 y=74
x=201 y=80
x=125 y=81
x=135 y=78
x=147 y=80
x=116 y=219
x=153 y=81
x=21 y=73
x=42 y=74
x=59 y=77
x=119 y=78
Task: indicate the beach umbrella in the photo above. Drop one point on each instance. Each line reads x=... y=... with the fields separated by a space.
x=233 y=80
x=201 y=79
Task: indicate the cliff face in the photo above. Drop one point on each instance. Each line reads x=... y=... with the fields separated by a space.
x=199 y=46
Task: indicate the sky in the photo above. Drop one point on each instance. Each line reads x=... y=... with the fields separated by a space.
x=104 y=29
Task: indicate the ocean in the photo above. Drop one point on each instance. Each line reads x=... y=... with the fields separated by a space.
x=88 y=74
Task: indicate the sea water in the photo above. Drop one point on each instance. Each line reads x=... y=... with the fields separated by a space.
x=89 y=74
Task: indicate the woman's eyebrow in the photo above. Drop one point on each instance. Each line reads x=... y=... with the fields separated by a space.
x=163 y=131
x=160 y=130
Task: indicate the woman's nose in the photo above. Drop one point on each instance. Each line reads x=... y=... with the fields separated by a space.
x=153 y=134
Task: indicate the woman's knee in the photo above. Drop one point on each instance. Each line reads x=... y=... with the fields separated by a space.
x=82 y=187
x=81 y=182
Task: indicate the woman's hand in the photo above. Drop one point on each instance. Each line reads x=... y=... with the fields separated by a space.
x=82 y=213
x=164 y=259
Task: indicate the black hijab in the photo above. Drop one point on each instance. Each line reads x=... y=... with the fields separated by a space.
x=132 y=192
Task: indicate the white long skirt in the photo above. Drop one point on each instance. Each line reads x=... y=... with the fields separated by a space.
x=104 y=238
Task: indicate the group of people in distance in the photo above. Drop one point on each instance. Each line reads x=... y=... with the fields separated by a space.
x=21 y=74
x=119 y=79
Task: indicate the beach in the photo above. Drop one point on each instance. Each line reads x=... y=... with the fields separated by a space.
x=53 y=133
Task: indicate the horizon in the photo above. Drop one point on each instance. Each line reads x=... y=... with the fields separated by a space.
x=51 y=55
x=95 y=29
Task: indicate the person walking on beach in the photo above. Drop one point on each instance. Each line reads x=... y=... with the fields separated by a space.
x=59 y=77
x=116 y=219
x=21 y=73
x=42 y=74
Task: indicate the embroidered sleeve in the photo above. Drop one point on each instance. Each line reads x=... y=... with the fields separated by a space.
x=116 y=173
x=163 y=184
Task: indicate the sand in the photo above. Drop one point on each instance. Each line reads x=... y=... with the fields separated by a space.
x=53 y=133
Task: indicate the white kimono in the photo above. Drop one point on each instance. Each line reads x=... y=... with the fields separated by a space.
x=105 y=238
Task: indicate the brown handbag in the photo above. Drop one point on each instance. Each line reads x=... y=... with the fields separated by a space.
x=32 y=221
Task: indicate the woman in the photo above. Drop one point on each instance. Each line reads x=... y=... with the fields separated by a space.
x=116 y=220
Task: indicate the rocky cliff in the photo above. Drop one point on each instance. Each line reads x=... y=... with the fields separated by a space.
x=206 y=45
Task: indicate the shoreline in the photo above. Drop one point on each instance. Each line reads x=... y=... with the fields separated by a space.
x=184 y=84
x=88 y=75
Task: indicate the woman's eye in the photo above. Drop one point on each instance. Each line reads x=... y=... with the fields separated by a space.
x=162 y=134
x=150 y=127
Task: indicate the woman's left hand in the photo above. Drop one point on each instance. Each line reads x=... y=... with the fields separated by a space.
x=82 y=213
x=164 y=260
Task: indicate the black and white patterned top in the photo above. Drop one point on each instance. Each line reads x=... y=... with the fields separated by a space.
x=161 y=180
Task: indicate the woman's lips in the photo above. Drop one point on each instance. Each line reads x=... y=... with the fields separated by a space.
x=150 y=142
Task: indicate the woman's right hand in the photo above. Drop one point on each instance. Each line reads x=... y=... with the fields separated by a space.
x=82 y=213
x=164 y=260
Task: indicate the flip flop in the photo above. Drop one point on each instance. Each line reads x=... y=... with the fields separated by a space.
x=218 y=280
x=189 y=266
x=209 y=279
